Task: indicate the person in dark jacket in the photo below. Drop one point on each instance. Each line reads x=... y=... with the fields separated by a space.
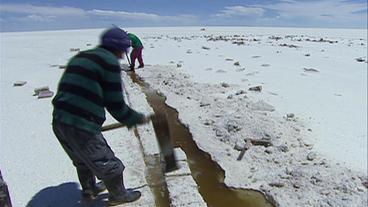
x=136 y=52
x=90 y=84
x=4 y=193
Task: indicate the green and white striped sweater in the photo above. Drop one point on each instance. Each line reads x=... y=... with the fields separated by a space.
x=91 y=83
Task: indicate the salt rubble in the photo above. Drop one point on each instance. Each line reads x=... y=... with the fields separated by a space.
x=284 y=171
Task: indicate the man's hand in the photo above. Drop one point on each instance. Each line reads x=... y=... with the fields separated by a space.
x=145 y=120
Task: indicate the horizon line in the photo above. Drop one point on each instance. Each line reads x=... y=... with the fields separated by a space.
x=204 y=26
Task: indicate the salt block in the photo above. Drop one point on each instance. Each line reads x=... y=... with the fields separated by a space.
x=179 y=195
x=38 y=90
x=182 y=163
x=19 y=83
x=256 y=88
x=74 y=49
x=45 y=94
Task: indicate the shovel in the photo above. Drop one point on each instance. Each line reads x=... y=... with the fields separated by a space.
x=126 y=54
x=162 y=132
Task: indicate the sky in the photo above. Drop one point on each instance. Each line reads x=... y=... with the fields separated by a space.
x=21 y=15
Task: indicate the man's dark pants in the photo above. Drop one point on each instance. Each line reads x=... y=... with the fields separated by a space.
x=90 y=153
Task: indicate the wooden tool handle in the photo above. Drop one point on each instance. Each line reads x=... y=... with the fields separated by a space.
x=112 y=126
x=119 y=125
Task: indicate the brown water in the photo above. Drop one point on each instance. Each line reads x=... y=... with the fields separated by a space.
x=155 y=177
x=207 y=173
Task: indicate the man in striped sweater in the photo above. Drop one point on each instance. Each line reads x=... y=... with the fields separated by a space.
x=90 y=84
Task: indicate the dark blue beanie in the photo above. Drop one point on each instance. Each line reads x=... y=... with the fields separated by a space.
x=116 y=39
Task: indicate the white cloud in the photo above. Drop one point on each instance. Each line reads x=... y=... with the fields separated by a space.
x=146 y=17
x=125 y=15
x=320 y=13
x=324 y=9
x=39 y=18
x=290 y=1
x=236 y=11
x=41 y=10
x=30 y=14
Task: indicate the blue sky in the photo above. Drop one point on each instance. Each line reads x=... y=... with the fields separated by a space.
x=20 y=15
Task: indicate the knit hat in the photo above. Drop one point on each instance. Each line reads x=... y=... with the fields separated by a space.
x=116 y=39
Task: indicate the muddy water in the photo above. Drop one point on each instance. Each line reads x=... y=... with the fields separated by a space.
x=155 y=177
x=207 y=173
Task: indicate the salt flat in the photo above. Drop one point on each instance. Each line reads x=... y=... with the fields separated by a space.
x=332 y=101
x=313 y=73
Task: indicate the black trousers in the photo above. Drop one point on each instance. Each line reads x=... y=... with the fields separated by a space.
x=90 y=153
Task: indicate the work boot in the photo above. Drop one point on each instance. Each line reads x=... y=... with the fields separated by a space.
x=117 y=192
x=124 y=197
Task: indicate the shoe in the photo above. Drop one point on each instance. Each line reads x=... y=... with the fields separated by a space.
x=118 y=194
x=131 y=67
x=141 y=66
x=124 y=197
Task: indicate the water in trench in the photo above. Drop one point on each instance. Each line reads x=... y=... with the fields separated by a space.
x=155 y=177
x=207 y=173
